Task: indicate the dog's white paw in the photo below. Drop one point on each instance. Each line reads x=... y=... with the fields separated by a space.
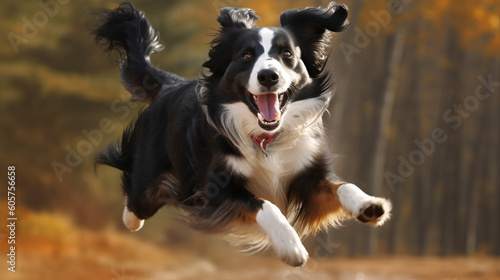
x=375 y=211
x=290 y=249
x=131 y=221
x=366 y=209
x=284 y=238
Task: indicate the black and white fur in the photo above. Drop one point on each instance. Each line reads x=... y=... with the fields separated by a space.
x=242 y=150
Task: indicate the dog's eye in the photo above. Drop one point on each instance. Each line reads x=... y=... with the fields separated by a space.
x=246 y=56
x=287 y=54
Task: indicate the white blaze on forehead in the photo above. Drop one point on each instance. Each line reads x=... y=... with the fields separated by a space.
x=264 y=61
x=267 y=36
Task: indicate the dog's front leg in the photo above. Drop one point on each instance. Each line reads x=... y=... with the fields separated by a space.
x=284 y=238
x=329 y=202
x=365 y=208
x=229 y=203
x=343 y=200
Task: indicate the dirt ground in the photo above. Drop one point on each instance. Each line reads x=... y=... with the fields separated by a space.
x=111 y=262
x=51 y=248
x=263 y=268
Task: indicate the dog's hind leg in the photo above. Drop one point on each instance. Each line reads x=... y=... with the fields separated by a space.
x=130 y=219
x=142 y=203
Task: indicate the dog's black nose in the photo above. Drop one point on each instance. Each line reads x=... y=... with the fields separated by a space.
x=268 y=78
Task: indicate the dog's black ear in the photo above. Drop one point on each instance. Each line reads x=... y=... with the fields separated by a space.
x=232 y=20
x=310 y=27
x=237 y=18
x=316 y=20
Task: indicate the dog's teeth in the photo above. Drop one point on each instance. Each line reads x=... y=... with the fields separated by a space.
x=261 y=118
x=281 y=97
x=255 y=97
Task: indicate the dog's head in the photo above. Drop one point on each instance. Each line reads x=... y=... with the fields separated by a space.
x=266 y=68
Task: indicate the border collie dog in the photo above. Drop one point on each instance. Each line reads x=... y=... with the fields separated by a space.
x=242 y=150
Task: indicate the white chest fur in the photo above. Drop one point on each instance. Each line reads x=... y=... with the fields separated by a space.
x=292 y=150
x=269 y=176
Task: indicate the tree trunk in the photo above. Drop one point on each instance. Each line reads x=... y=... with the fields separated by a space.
x=452 y=157
x=493 y=157
x=380 y=153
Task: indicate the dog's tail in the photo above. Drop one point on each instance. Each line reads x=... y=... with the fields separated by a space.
x=119 y=156
x=126 y=30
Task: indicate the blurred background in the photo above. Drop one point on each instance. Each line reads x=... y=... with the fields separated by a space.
x=416 y=118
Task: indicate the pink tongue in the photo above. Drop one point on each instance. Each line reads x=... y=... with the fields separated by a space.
x=268 y=106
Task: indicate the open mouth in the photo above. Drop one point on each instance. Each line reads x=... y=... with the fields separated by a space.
x=269 y=107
